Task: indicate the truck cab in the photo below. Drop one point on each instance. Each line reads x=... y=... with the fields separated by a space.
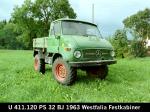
x=73 y=44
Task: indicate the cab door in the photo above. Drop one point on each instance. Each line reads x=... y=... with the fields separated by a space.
x=53 y=41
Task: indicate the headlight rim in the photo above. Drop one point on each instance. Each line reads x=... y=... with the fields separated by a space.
x=80 y=54
x=112 y=53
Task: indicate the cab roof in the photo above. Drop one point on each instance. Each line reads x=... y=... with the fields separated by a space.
x=75 y=20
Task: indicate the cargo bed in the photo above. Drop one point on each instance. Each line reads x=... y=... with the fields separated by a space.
x=40 y=42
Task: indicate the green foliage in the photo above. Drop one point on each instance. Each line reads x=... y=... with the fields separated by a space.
x=120 y=43
x=2 y=37
x=137 y=48
x=127 y=81
x=139 y=23
x=139 y=26
x=34 y=18
x=2 y=24
x=8 y=37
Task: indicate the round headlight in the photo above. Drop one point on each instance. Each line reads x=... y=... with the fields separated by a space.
x=112 y=53
x=77 y=54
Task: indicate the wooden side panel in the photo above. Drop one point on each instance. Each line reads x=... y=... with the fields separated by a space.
x=40 y=42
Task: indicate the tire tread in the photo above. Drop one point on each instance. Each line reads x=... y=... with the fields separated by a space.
x=71 y=77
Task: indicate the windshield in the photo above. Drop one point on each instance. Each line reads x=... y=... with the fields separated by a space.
x=79 y=28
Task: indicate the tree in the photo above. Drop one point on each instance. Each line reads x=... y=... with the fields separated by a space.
x=120 y=43
x=139 y=26
x=2 y=24
x=137 y=49
x=139 y=23
x=46 y=11
x=8 y=36
x=34 y=18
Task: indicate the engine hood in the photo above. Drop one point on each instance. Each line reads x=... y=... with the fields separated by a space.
x=87 y=42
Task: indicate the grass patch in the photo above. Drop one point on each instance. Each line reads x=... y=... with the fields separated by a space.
x=128 y=81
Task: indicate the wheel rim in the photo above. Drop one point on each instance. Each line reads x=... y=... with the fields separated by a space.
x=36 y=63
x=60 y=72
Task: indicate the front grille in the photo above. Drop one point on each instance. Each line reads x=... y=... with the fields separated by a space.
x=95 y=53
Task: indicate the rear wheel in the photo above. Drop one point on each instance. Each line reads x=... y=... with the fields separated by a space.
x=39 y=64
x=98 y=71
x=63 y=73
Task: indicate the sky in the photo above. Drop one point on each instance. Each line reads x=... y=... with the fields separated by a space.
x=108 y=14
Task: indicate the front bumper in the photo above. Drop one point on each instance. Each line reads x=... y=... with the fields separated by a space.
x=92 y=63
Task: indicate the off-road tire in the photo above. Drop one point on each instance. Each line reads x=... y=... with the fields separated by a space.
x=98 y=71
x=39 y=64
x=63 y=72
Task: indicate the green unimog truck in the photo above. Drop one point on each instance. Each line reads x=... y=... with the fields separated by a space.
x=73 y=44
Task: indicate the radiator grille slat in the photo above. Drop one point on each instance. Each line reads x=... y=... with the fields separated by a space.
x=95 y=53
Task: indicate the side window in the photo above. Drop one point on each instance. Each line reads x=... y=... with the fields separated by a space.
x=57 y=28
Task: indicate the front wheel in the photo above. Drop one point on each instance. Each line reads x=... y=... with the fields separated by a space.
x=63 y=73
x=98 y=71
